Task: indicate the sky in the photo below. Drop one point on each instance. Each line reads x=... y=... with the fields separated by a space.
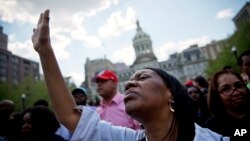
x=94 y=29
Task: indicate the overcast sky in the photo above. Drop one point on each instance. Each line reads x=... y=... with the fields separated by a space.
x=94 y=28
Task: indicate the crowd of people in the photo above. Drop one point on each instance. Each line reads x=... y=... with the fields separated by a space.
x=154 y=107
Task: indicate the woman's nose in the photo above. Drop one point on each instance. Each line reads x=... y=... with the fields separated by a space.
x=129 y=84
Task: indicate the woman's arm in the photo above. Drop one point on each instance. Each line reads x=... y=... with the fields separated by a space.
x=60 y=96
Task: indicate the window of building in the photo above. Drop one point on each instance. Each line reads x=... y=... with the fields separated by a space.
x=34 y=65
x=3 y=57
x=3 y=71
x=14 y=60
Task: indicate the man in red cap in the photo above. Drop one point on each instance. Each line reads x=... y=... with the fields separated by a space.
x=112 y=108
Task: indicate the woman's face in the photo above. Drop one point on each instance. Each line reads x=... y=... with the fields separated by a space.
x=146 y=95
x=193 y=93
x=232 y=91
x=245 y=78
x=26 y=128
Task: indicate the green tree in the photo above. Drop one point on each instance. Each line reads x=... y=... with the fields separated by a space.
x=33 y=89
x=241 y=40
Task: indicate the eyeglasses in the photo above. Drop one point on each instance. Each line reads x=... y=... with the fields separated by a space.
x=228 y=89
x=247 y=64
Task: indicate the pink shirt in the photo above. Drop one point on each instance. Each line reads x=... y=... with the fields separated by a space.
x=115 y=113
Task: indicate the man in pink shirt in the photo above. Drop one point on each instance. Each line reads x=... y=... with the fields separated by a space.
x=112 y=108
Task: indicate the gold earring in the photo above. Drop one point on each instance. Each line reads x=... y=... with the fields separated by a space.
x=170 y=106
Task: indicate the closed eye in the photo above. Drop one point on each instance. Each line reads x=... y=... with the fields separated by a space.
x=142 y=77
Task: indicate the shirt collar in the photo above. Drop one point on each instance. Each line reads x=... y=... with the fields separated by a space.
x=116 y=99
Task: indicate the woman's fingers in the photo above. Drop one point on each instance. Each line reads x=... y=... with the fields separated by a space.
x=46 y=17
x=40 y=19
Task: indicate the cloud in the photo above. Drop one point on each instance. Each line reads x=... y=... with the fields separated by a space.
x=66 y=22
x=23 y=10
x=79 y=33
x=226 y=13
x=77 y=78
x=169 y=48
x=61 y=18
x=10 y=12
x=23 y=49
x=124 y=54
x=12 y=37
x=118 y=23
x=59 y=43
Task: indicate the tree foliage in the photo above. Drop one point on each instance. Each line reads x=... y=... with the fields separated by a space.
x=33 y=89
x=241 y=40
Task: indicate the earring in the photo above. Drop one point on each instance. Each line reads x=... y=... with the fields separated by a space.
x=171 y=106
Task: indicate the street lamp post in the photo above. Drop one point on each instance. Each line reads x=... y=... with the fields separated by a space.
x=234 y=51
x=23 y=100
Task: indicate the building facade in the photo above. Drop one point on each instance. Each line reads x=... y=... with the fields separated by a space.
x=185 y=65
x=243 y=15
x=92 y=67
x=13 y=68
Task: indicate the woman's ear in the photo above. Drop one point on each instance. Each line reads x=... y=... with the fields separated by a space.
x=171 y=104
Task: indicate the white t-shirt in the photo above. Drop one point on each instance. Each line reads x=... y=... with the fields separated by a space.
x=63 y=132
x=92 y=128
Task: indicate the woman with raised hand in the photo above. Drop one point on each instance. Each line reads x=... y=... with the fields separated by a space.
x=153 y=97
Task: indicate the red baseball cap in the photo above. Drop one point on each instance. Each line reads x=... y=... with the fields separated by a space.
x=107 y=75
x=189 y=83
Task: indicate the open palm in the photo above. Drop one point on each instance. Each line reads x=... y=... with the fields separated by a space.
x=40 y=37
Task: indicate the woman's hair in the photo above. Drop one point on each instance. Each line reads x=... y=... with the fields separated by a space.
x=202 y=82
x=198 y=91
x=41 y=102
x=245 y=53
x=215 y=104
x=202 y=106
x=182 y=105
x=43 y=121
x=202 y=96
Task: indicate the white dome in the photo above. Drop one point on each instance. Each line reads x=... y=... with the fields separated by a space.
x=140 y=35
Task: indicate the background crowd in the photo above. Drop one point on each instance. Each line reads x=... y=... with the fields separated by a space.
x=219 y=104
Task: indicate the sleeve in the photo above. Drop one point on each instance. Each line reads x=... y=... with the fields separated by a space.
x=202 y=134
x=91 y=128
x=86 y=125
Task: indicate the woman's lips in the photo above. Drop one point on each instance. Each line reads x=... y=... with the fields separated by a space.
x=129 y=95
x=237 y=100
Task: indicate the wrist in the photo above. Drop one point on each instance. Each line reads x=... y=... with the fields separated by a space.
x=45 y=50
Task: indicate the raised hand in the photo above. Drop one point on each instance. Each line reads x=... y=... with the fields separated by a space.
x=62 y=101
x=41 y=37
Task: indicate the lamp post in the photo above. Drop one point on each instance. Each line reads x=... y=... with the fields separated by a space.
x=234 y=51
x=23 y=100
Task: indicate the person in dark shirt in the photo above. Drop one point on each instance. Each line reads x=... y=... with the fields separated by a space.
x=40 y=124
x=244 y=62
x=201 y=111
x=228 y=100
x=80 y=96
